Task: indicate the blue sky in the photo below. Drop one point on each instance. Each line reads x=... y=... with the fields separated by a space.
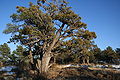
x=101 y=16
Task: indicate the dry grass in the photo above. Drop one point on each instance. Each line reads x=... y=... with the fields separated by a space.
x=57 y=72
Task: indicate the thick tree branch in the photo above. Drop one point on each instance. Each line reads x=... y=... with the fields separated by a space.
x=56 y=38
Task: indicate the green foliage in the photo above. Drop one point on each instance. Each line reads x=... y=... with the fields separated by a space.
x=42 y=24
x=4 y=52
x=109 y=55
x=92 y=57
x=97 y=54
x=61 y=59
x=117 y=50
x=17 y=55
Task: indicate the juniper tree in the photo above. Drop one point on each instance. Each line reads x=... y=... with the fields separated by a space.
x=44 y=27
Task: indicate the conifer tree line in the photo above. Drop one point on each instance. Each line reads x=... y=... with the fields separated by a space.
x=95 y=55
x=51 y=32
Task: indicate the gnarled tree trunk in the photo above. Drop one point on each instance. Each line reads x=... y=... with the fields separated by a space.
x=31 y=57
x=45 y=62
x=43 y=65
x=87 y=60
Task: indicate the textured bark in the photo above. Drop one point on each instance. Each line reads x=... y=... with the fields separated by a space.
x=31 y=57
x=38 y=65
x=83 y=61
x=45 y=62
x=87 y=60
x=43 y=65
x=56 y=38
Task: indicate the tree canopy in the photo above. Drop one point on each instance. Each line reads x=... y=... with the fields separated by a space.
x=46 y=28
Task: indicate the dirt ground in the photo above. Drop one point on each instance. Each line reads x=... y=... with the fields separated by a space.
x=79 y=73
